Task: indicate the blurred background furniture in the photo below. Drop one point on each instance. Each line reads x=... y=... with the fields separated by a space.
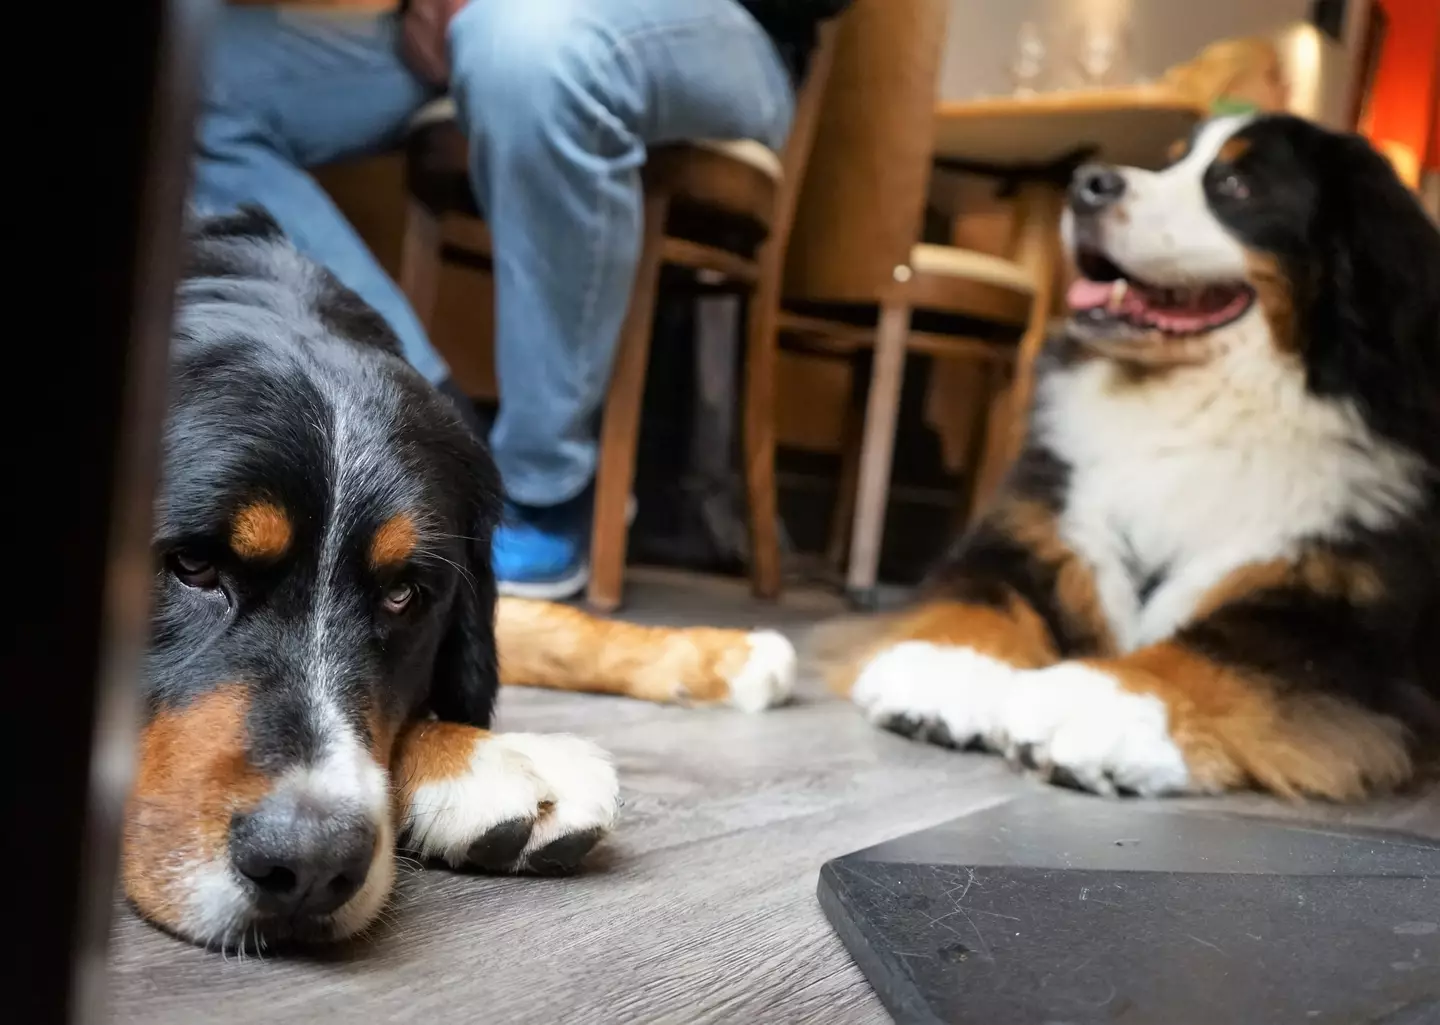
x=943 y=416
x=859 y=278
x=717 y=210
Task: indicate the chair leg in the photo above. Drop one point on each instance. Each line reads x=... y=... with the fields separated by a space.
x=762 y=357
x=881 y=413
x=620 y=422
x=991 y=379
x=997 y=456
x=420 y=261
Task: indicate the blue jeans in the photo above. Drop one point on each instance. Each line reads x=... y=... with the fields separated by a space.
x=559 y=99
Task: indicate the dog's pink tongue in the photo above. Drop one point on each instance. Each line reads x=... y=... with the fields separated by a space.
x=1085 y=294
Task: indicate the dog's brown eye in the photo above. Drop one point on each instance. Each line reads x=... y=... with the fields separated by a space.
x=398 y=598
x=193 y=571
x=1234 y=186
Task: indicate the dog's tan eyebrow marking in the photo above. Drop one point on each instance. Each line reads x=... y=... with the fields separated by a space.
x=260 y=530
x=394 y=541
x=1233 y=149
x=1176 y=151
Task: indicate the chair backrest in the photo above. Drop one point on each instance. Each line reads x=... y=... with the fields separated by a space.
x=798 y=147
x=862 y=199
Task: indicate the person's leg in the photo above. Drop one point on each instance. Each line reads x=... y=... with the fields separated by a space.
x=560 y=99
x=286 y=90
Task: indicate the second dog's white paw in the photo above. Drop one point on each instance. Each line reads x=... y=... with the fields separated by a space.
x=1077 y=721
x=944 y=694
x=1072 y=721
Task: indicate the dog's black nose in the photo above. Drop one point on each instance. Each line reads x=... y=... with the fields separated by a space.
x=1095 y=187
x=301 y=859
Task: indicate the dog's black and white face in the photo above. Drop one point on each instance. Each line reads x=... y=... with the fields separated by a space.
x=1263 y=233
x=322 y=576
x=1164 y=261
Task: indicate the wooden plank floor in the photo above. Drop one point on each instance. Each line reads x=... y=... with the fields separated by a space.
x=701 y=908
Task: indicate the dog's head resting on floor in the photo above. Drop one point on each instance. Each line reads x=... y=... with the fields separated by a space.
x=321 y=576
x=1266 y=241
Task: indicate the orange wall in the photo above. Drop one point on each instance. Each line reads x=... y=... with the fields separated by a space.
x=1404 y=107
x=1434 y=160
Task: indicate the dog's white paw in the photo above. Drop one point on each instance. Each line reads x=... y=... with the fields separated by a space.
x=527 y=802
x=767 y=676
x=1078 y=725
x=1073 y=722
x=940 y=693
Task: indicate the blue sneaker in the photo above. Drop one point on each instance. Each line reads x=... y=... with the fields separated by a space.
x=542 y=552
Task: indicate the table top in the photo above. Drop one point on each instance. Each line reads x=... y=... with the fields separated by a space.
x=1130 y=125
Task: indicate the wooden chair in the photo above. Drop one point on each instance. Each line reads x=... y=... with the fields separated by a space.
x=856 y=276
x=719 y=210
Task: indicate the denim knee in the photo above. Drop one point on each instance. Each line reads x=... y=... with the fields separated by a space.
x=531 y=71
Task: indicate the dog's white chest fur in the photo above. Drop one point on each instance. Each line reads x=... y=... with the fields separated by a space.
x=1179 y=480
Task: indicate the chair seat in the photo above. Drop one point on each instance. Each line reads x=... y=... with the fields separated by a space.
x=433 y=113
x=954 y=262
x=745 y=151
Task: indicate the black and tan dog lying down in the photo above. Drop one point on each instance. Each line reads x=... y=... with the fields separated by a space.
x=1216 y=564
x=323 y=665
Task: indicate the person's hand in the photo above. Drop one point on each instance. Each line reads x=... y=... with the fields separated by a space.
x=422 y=41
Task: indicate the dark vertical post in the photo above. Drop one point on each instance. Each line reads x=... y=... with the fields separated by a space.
x=94 y=239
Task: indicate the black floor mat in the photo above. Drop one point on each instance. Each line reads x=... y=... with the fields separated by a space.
x=1066 y=910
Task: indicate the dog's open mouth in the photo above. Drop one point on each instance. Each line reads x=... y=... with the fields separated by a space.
x=1106 y=297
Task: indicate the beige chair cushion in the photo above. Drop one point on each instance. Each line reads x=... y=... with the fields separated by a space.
x=433 y=113
x=746 y=151
x=954 y=262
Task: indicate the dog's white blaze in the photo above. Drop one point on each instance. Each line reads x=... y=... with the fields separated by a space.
x=344 y=778
x=1208 y=142
x=323 y=673
x=1162 y=229
x=1197 y=473
x=344 y=767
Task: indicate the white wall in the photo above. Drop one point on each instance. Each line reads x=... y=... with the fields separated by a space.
x=982 y=38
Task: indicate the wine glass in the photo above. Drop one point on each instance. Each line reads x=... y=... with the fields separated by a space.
x=1100 y=54
x=1029 y=64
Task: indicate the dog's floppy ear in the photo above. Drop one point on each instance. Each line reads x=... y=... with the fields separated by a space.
x=1372 y=326
x=467 y=674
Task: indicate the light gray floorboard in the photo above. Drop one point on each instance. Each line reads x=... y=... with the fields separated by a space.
x=701 y=908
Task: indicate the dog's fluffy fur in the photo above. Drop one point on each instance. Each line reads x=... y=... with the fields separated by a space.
x=1216 y=563
x=323 y=666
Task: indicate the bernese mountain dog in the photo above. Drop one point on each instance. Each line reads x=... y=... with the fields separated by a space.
x=323 y=665
x=1216 y=562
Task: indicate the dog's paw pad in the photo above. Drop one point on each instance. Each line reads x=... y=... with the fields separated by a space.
x=526 y=802
x=500 y=847
x=563 y=856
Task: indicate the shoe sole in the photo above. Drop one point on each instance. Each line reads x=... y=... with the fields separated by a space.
x=546 y=590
